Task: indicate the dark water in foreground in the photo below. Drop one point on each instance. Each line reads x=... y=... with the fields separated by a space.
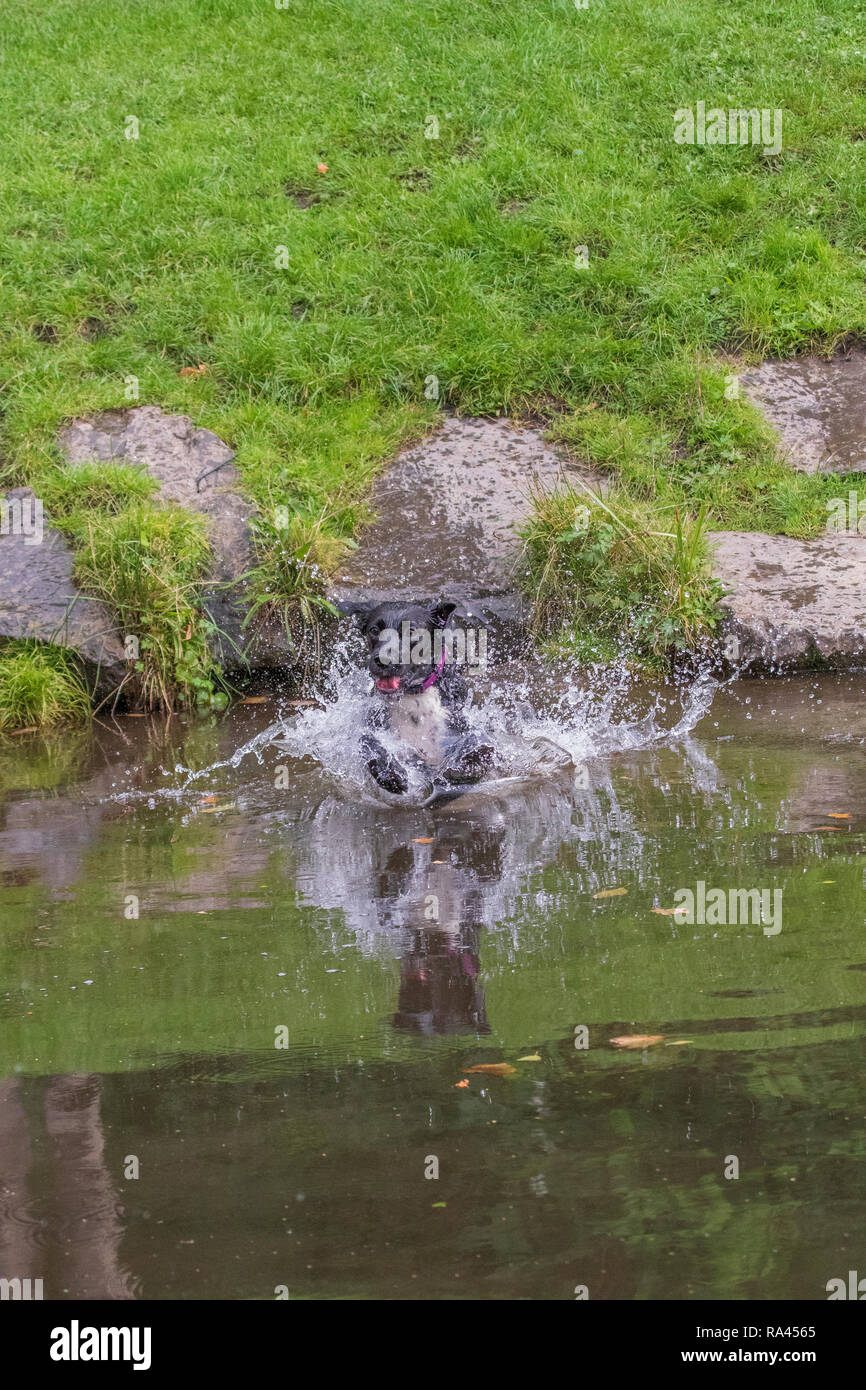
x=304 y=908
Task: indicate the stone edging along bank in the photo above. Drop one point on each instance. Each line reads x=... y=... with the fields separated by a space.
x=447 y=512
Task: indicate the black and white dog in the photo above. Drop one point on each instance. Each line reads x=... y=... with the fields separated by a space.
x=420 y=697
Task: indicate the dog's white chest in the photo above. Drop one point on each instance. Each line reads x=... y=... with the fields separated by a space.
x=421 y=722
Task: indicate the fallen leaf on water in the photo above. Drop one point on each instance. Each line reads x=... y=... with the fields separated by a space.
x=423 y=840
x=459 y=1084
x=200 y=370
x=638 y=1039
x=493 y=1069
x=839 y=815
x=610 y=893
x=828 y=827
x=255 y=700
x=533 y=1057
x=666 y=911
x=680 y=1042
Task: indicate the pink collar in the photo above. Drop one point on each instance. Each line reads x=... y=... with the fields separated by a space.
x=434 y=675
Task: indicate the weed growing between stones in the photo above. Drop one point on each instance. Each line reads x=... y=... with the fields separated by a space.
x=618 y=577
x=72 y=495
x=295 y=552
x=148 y=564
x=40 y=685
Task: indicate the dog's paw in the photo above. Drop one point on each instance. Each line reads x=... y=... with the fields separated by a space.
x=390 y=779
x=383 y=768
x=472 y=763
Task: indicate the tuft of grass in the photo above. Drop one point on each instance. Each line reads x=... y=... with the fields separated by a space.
x=148 y=563
x=71 y=495
x=614 y=576
x=287 y=584
x=40 y=685
x=294 y=560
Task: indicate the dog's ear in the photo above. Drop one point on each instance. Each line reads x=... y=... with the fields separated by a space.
x=350 y=608
x=442 y=612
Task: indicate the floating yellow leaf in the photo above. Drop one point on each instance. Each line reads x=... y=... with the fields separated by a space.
x=533 y=1057
x=839 y=815
x=667 y=911
x=493 y=1069
x=610 y=893
x=638 y=1040
x=423 y=840
x=458 y=1084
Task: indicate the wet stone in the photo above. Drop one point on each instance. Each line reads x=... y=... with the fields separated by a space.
x=194 y=469
x=818 y=407
x=447 y=513
x=39 y=600
x=794 y=604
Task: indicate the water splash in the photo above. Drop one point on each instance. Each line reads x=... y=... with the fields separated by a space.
x=540 y=719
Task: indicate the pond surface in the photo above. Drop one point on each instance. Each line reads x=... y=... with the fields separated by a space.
x=262 y=991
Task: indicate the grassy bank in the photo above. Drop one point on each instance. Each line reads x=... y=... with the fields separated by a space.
x=356 y=217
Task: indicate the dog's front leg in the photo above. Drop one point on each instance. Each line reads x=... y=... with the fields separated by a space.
x=469 y=760
x=383 y=766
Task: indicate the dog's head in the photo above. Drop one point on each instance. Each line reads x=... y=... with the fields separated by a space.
x=406 y=651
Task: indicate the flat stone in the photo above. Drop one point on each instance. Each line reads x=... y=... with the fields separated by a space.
x=447 y=513
x=818 y=407
x=39 y=600
x=794 y=603
x=194 y=469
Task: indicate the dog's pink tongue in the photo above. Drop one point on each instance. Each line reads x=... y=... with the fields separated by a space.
x=388 y=683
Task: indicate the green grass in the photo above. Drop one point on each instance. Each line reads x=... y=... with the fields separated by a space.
x=72 y=495
x=122 y=261
x=40 y=686
x=610 y=577
x=148 y=562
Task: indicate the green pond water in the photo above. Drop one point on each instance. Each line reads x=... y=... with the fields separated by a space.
x=391 y=949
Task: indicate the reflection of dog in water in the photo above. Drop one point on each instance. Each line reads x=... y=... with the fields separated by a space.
x=443 y=884
x=431 y=888
x=414 y=656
